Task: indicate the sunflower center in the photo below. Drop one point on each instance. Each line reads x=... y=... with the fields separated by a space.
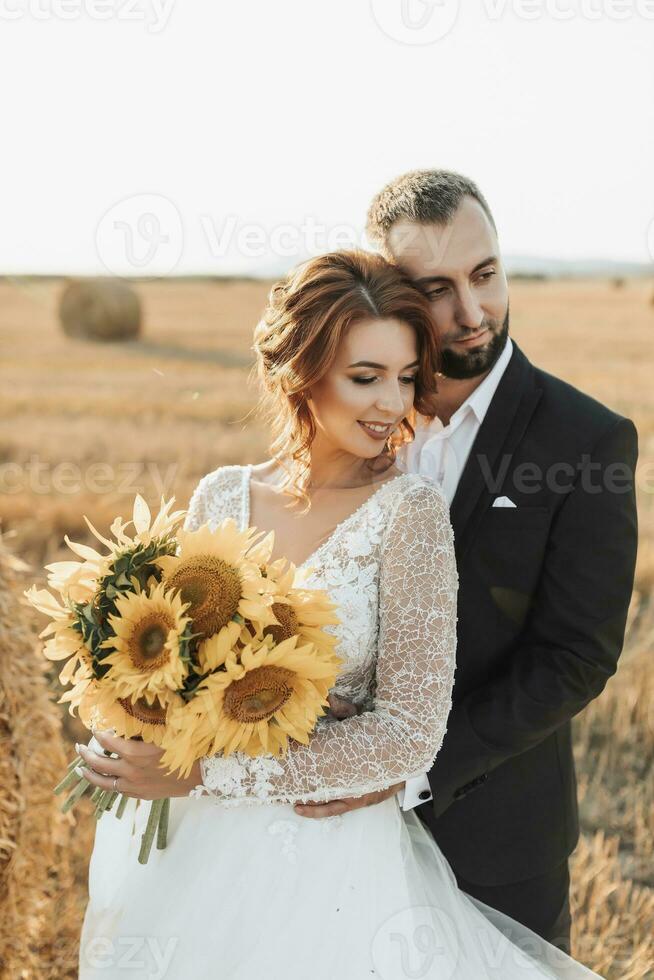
x=259 y=694
x=152 y=714
x=148 y=641
x=212 y=587
x=289 y=623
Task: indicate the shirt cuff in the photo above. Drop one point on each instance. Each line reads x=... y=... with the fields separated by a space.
x=416 y=791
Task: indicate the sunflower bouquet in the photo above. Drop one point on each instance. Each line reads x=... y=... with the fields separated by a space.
x=193 y=640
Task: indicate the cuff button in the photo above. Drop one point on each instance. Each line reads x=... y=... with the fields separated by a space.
x=424 y=794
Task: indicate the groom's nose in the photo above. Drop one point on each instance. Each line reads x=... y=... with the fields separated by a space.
x=468 y=312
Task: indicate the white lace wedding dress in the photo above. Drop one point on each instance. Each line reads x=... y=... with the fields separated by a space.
x=247 y=888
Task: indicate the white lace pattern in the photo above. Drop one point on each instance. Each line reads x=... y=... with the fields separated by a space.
x=391 y=570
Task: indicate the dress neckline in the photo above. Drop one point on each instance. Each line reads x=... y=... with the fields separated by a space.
x=245 y=510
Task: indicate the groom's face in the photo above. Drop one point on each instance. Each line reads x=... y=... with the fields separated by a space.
x=458 y=266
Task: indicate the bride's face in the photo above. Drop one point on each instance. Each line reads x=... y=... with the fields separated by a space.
x=370 y=383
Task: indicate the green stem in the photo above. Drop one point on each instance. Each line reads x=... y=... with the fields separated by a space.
x=78 y=792
x=71 y=778
x=101 y=802
x=112 y=798
x=150 y=830
x=162 y=835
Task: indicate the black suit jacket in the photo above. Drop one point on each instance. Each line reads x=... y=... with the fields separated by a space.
x=544 y=590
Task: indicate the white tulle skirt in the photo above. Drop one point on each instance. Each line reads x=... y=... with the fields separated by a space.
x=254 y=891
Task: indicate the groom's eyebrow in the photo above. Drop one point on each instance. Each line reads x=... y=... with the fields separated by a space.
x=381 y=367
x=480 y=265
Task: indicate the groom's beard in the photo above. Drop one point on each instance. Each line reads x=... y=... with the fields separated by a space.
x=470 y=364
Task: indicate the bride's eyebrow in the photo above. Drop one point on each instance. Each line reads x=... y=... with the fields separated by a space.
x=381 y=367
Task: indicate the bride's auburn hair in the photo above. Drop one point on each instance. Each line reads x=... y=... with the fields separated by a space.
x=295 y=343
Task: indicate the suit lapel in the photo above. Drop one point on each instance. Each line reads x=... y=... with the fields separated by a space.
x=504 y=425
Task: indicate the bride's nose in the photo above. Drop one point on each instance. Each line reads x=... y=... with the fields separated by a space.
x=390 y=400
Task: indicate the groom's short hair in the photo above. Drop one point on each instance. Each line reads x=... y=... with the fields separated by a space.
x=424 y=196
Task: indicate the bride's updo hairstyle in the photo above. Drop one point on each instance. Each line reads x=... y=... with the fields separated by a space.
x=307 y=316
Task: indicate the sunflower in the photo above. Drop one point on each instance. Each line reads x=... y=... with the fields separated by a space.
x=77 y=581
x=145 y=716
x=145 y=527
x=146 y=658
x=265 y=695
x=298 y=611
x=46 y=603
x=67 y=644
x=213 y=574
x=83 y=679
x=212 y=652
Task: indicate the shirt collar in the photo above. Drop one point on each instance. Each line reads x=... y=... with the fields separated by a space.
x=482 y=396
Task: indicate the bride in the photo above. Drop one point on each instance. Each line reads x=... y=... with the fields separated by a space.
x=246 y=887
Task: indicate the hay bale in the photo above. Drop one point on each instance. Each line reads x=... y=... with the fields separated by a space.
x=38 y=918
x=100 y=309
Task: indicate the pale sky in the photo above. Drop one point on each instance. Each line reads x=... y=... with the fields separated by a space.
x=196 y=136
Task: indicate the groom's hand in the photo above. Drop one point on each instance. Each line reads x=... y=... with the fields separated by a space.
x=336 y=807
x=341 y=709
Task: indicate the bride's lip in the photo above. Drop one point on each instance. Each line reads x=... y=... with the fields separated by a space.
x=471 y=341
x=376 y=435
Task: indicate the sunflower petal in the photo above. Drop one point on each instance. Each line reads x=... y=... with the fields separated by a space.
x=141 y=517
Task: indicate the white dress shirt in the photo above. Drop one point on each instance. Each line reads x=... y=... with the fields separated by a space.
x=441 y=452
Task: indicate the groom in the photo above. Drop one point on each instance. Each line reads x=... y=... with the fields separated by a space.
x=540 y=480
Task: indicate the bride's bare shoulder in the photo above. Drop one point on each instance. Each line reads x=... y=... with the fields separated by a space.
x=267 y=472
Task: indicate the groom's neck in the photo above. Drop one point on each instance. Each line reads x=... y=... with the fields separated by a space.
x=452 y=393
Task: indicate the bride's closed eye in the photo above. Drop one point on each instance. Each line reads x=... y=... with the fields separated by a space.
x=409 y=380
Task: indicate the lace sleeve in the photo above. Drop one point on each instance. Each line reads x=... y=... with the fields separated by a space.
x=415 y=666
x=216 y=496
x=196 y=512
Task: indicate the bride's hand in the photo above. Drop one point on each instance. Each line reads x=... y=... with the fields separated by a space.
x=336 y=807
x=137 y=768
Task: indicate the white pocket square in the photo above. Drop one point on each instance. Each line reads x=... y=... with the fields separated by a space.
x=503 y=502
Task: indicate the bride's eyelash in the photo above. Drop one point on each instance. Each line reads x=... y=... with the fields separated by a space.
x=408 y=380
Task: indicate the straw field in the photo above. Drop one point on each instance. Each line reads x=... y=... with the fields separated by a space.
x=85 y=425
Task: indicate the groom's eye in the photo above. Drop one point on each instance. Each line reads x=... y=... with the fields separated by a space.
x=437 y=293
